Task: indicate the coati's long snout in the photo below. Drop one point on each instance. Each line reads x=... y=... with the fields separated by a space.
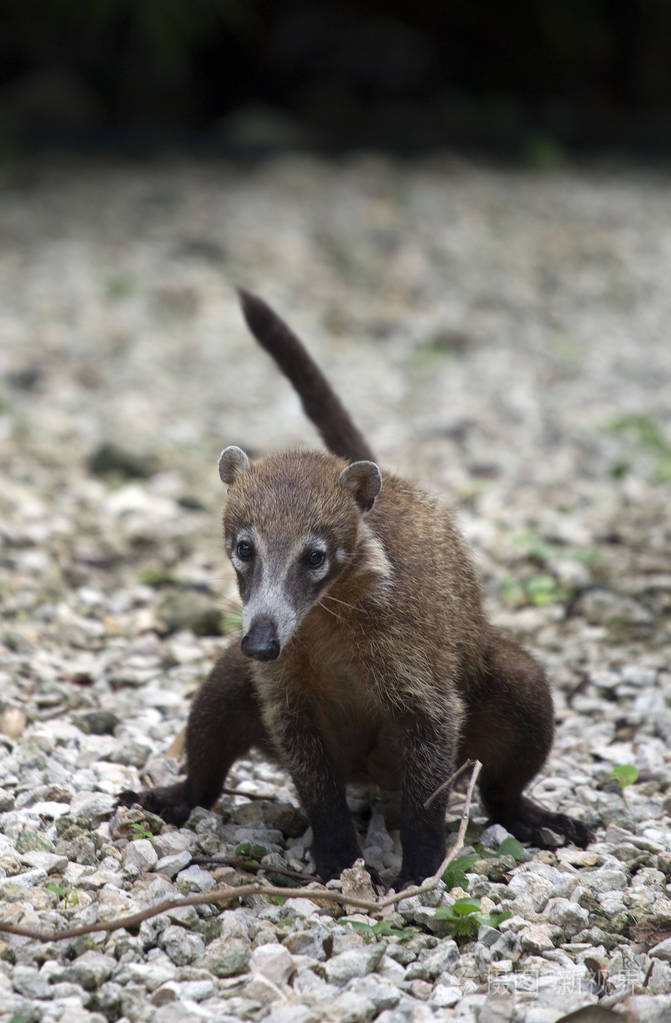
x=291 y=527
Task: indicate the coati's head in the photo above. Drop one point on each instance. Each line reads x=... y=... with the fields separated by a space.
x=291 y=524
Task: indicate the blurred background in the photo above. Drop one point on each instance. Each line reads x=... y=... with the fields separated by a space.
x=531 y=79
x=465 y=210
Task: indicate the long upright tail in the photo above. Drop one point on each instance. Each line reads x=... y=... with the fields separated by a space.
x=320 y=402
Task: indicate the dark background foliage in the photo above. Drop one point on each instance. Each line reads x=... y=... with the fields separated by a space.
x=249 y=74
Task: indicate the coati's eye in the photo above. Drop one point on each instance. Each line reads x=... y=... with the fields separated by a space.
x=315 y=559
x=244 y=551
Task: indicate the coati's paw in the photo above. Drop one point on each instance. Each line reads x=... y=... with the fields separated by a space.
x=168 y=802
x=529 y=820
x=574 y=831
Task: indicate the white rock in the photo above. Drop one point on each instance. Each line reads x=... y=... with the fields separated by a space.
x=173 y=863
x=198 y=878
x=274 y=962
x=357 y=962
x=570 y=916
x=444 y=996
x=139 y=856
x=662 y=951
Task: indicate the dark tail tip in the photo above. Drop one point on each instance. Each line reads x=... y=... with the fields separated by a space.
x=258 y=315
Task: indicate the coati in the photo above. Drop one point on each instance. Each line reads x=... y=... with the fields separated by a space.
x=365 y=654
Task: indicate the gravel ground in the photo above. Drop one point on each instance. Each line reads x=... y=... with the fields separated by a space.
x=502 y=338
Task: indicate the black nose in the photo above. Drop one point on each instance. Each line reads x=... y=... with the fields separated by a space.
x=261 y=641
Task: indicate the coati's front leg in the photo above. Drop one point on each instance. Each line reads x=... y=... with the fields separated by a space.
x=224 y=724
x=429 y=752
x=319 y=783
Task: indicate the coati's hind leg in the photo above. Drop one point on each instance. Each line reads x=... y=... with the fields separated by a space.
x=224 y=724
x=509 y=729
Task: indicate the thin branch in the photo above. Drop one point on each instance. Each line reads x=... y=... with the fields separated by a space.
x=450 y=781
x=228 y=893
x=435 y=879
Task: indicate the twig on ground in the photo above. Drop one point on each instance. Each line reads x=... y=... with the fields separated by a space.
x=227 y=893
x=450 y=781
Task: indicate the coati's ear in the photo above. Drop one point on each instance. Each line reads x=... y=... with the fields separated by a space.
x=364 y=480
x=232 y=463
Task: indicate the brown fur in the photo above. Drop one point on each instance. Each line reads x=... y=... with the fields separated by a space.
x=392 y=675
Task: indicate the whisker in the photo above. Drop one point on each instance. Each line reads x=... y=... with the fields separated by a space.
x=330 y=611
x=327 y=596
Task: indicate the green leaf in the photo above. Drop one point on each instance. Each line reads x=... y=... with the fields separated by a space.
x=543 y=589
x=624 y=774
x=139 y=831
x=58 y=889
x=455 y=874
x=496 y=917
x=511 y=847
x=462 y=907
x=250 y=850
x=359 y=925
x=484 y=854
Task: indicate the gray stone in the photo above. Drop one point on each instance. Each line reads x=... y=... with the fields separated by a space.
x=182 y=946
x=536 y=938
x=274 y=962
x=181 y=1011
x=48 y=861
x=382 y=995
x=30 y=840
x=92 y=805
x=441 y=960
x=226 y=957
x=349 y=1007
x=27 y=981
x=198 y=879
x=90 y=970
x=356 y=962
x=293 y=1014
x=648 y=1008
x=310 y=983
x=305 y=943
x=151 y=974
x=301 y=907
x=26 y=880
x=262 y=990
x=188 y=990
x=569 y=916
x=139 y=856
x=659 y=981
x=445 y=996
x=606 y=879
x=173 y=863
x=662 y=951
x=492 y=836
